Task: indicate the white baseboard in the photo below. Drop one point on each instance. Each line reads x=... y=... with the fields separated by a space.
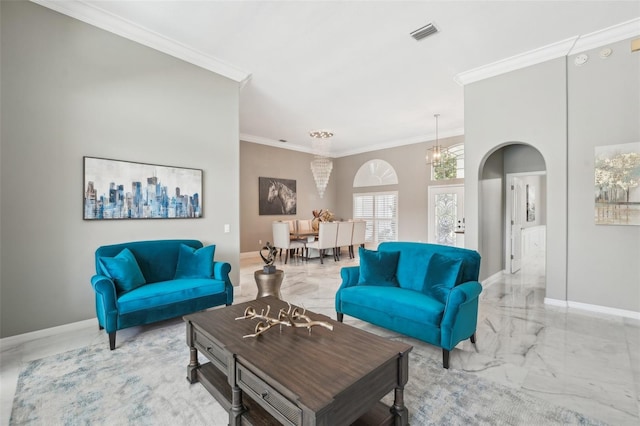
x=556 y=302
x=604 y=310
x=593 y=308
x=47 y=332
x=248 y=254
x=489 y=281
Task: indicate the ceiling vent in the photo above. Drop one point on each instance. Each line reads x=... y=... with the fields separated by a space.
x=425 y=31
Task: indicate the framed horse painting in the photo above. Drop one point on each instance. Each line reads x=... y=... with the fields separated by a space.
x=276 y=196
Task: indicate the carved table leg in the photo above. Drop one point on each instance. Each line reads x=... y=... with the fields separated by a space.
x=193 y=366
x=236 y=410
x=400 y=412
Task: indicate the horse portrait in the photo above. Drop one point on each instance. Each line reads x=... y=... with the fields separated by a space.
x=277 y=196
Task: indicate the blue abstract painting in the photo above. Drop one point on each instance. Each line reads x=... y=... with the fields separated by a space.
x=115 y=189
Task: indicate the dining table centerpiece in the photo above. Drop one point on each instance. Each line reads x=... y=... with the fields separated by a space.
x=321 y=216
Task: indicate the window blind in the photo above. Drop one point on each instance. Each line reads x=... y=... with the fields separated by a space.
x=380 y=211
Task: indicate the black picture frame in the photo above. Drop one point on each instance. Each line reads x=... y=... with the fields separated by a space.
x=277 y=196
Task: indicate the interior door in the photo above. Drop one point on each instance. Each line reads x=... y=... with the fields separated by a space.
x=517 y=202
x=446 y=215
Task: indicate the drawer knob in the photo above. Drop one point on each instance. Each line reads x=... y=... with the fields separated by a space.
x=265 y=394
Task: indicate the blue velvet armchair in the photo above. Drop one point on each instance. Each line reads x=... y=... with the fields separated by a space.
x=425 y=291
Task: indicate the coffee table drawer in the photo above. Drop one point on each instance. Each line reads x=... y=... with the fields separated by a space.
x=211 y=350
x=270 y=399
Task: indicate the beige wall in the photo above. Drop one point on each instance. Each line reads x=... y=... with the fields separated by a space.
x=70 y=90
x=266 y=161
x=413 y=180
x=408 y=161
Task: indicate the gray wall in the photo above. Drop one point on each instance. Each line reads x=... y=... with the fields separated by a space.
x=604 y=109
x=265 y=161
x=525 y=106
x=70 y=90
x=413 y=180
x=522 y=158
x=563 y=112
x=491 y=226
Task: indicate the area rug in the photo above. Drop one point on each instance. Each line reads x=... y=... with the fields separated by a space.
x=143 y=382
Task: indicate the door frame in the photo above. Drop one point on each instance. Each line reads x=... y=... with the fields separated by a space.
x=507 y=213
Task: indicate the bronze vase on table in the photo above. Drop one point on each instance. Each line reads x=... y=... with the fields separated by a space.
x=269 y=279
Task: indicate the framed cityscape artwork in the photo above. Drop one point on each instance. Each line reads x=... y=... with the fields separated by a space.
x=617 y=184
x=117 y=189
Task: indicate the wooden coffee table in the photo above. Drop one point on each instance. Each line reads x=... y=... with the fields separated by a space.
x=294 y=377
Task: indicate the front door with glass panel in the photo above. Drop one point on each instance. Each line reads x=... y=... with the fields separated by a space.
x=446 y=215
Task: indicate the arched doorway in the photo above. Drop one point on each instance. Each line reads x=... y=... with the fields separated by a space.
x=512 y=216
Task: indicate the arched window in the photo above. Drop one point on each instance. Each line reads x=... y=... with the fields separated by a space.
x=375 y=173
x=378 y=209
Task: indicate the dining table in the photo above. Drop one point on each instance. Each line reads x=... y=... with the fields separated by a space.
x=305 y=235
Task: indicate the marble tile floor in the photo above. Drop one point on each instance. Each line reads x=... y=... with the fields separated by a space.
x=584 y=361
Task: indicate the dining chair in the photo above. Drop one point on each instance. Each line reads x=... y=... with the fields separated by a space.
x=327 y=233
x=293 y=230
x=282 y=239
x=304 y=226
x=343 y=237
x=358 y=235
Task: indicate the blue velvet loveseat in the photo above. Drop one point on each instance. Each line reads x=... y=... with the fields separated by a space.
x=426 y=291
x=147 y=281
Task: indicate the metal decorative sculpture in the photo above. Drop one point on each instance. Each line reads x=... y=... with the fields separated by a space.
x=269 y=268
x=286 y=317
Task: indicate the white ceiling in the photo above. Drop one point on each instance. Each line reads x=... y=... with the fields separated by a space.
x=351 y=66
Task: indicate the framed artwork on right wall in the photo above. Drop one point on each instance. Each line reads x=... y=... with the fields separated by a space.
x=617 y=184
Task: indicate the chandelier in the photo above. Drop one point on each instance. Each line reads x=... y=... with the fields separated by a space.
x=321 y=165
x=434 y=154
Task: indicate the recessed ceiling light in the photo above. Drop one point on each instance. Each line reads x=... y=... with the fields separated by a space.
x=581 y=59
x=606 y=52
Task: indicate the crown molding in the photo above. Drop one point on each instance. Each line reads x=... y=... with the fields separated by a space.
x=337 y=154
x=572 y=45
x=513 y=63
x=612 y=34
x=107 y=21
x=276 y=144
x=401 y=142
